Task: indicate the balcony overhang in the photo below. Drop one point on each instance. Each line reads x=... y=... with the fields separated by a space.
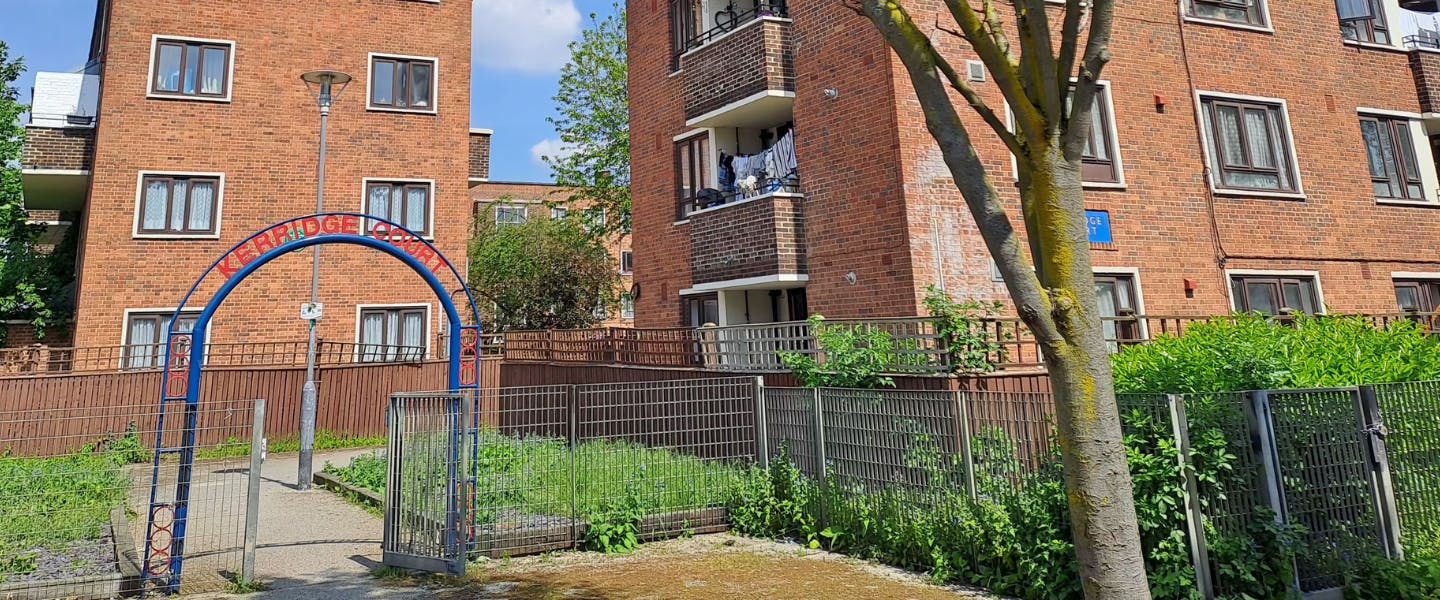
x=766 y=108
x=768 y=282
x=55 y=189
x=1423 y=6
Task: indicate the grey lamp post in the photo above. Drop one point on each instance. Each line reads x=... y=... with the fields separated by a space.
x=322 y=86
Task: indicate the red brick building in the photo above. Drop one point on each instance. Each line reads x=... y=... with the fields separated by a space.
x=1257 y=158
x=191 y=128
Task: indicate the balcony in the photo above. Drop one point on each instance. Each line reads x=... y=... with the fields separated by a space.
x=741 y=72
x=59 y=146
x=757 y=239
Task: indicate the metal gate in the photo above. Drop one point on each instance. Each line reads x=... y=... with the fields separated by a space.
x=424 y=507
x=1324 y=474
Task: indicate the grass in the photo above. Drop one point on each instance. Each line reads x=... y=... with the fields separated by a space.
x=324 y=440
x=46 y=502
x=532 y=475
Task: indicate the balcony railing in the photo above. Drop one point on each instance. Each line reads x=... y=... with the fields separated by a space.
x=1424 y=40
x=729 y=19
x=42 y=360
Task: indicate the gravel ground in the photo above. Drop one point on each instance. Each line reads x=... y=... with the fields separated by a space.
x=80 y=558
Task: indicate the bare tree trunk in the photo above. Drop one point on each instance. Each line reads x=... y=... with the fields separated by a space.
x=1097 y=477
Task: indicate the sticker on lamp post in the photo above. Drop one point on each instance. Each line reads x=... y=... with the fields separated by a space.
x=311 y=311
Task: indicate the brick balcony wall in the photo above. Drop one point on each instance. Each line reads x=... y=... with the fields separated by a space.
x=479 y=155
x=751 y=59
x=69 y=148
x=752 y=239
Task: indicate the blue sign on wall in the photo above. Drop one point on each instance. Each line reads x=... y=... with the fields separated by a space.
x=1098 y=221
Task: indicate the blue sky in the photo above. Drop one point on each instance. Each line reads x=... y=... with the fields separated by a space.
x=519 y=47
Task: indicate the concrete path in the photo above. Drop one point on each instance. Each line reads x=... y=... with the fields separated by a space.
x=311 y=544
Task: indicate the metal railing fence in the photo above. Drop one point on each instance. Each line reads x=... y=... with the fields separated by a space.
x=45 y=360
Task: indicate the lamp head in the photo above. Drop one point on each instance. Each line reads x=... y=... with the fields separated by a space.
x=322 y=85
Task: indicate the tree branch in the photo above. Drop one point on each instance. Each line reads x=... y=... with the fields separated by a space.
x=1069 y=41
x=994 y=50
x=1038 y=59
x=1097 y=54
x=943 y=122
x=976 y=102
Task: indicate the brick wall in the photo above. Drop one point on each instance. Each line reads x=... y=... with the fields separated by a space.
x=479 y=154
x=265 y=142
x=1425 y=64
x=67 y=148
x=750 y=239
x=749 y=60
x=19 y=334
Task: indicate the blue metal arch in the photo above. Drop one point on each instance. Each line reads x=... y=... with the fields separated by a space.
x=295 y=239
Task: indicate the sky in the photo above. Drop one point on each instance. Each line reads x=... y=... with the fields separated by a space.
x=517 y=51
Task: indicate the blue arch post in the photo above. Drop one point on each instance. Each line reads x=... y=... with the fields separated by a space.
x=185 y=353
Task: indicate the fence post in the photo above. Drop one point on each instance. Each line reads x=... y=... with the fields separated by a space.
x=762 y=434
x=962 y=428
x=1383 y=488
x=252 y=493
x=1199 y=552
x=1262 y=440
x=822 y=482
x=572 y=402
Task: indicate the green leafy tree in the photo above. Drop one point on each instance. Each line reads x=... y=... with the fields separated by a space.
x=33 y=284
x=541 y=274
x=593 y=120
x=1032 y=55
x=851 y=356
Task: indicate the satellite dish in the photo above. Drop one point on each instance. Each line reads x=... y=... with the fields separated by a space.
x=635 y=291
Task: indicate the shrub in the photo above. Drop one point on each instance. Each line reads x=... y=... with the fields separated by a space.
x=1252 y=352
x=961 y=325
x=855 y=356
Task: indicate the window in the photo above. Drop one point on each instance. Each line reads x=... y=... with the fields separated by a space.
x=146 y=334
x=627 y=306
x=1118 y=309
x=1418 y=295
x=178 y=205
x=191 y=69
x=1394 y=172
x=1362 y=21
x=702 y=310
x=1274 y=294
x=599 y=311
x=391 y=334
x=1244 y=12
x=1101 y=161
x=692 y=157
x=595 y=219
x=627 y=262
x=1249 y=144
x=509 y=215
x=682 y=29
x=559 y=212
x=404 y=202
x=402 y=83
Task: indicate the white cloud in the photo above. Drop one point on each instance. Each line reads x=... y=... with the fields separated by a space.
x=528 y=36
x=549 y=147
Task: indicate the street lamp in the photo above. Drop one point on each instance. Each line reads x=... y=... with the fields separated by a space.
x=322 y=85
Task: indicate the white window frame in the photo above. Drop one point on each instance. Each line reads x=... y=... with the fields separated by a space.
x=524 y=213
x=216 y=212
x=1392 y=13
x=1319 y=291
x=1268 y=27
x=627 y=307
x=1423 y=155
x=1111 y=127
x=164 y=335
x=150 y=70
x=434 y=83
x=430 y=207
x=623 y=270
x=1211 y=161
x=1134 y=274
x=429 y=323
x=559 y=212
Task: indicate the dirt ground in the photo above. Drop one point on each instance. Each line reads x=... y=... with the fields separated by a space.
x=718 y=567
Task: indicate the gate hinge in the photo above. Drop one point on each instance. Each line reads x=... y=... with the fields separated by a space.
x=1377 y=429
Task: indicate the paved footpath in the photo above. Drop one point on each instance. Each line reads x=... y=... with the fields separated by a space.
x=312 y=544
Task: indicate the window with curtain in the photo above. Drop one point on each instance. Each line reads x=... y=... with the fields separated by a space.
x=392 y=334
x=1101 y=162
x=1390 y=150
x=178 y=205
x=1362 y=21
x=1249 y=142
x=146 y=335
x=692 y=156
x=627 y=306
x=1118 y=309
x=1245 y=12
x=402 y=83
x=194 y=69
x=406 y=203
x=1418 y=295
x=1274 y=295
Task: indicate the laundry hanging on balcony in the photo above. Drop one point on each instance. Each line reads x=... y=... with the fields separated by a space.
x=749 y=175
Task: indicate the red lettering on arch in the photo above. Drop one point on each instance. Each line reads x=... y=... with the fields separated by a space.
x=380 y=231
x=329 y=224
x=225 y=267
x=350 y=224
x=310 y=226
